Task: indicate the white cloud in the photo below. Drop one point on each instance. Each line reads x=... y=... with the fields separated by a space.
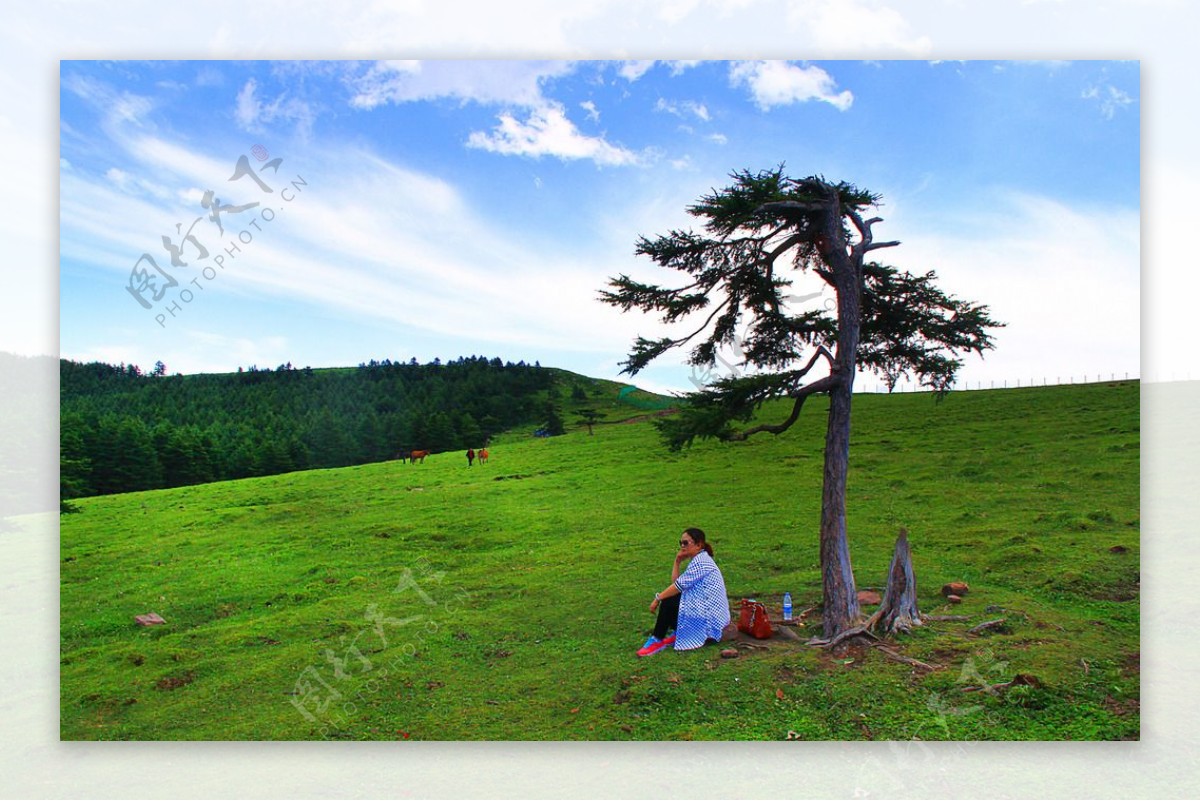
x=516 y=83
x=1035 y=260
x=678 y=67
x=1110 y=99
x=192 y=351
x=247 y=110
x=135 y=184
x=780 y=83
x=253 y=115
x=209 y=76
x=718 y=138
x=592 y=112
x=548 y=132
x=267 y=351
x=683 y=109
x=363 y=245
x=117 y=109
x=633 y=70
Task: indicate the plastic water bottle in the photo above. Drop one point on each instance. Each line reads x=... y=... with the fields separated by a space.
x=787 y=606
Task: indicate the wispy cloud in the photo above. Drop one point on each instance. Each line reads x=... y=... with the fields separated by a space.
x=368 y=240
x=254 y=115
x=634 y=70
x=117 y=108
x=510 y=83
x=544 y=129
x=1109 y=99
x=781 y=83
x=1028 y=257
x=683 y=109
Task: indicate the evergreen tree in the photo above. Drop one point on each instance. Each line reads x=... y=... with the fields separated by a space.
x=262 y=421
x=554 y=423
x=589 y=417
x=469 y=432
x=759 y=233
x=441 y=434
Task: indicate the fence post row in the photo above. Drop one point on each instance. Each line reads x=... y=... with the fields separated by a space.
x=880 y=389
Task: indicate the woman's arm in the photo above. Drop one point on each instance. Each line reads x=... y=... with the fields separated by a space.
x=667 y=593
x=680 y=558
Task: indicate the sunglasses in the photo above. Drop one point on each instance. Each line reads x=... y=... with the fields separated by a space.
x=685 y=543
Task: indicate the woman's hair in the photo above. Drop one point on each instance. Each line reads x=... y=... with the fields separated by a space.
x=699 y=538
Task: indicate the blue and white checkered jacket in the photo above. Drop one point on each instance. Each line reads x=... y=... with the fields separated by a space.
x=703 y=605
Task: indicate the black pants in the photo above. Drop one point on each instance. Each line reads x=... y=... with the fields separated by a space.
x=668 y=616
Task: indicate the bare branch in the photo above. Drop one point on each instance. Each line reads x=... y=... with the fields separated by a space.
x=864 y=228
x=692 y=335
x=866 y=244
x=791 y=241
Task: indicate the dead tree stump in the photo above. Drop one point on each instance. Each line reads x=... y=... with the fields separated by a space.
x=899 y=611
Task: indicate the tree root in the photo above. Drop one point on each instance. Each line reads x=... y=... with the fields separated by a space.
x=988 y=626
x=875 y=642
x=857 y=631
x=907 y=660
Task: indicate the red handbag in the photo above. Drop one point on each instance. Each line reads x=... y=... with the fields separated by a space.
x=753 y=620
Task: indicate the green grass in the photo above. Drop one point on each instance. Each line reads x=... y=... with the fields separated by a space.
x=505 y=601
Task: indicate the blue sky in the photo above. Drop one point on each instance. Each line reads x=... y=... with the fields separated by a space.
x=454 y=207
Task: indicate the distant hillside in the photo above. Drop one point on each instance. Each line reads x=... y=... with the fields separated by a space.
x=123 y=429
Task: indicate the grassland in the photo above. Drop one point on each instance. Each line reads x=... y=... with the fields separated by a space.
x=505 y=601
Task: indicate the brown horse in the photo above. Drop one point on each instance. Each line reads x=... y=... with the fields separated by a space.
x=416 y=456
x=482 y=455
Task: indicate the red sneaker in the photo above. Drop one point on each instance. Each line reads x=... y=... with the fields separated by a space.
x=653 y=647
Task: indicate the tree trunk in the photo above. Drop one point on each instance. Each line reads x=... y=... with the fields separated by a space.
x=898 y=612
x=838 y=588
x=840 y=595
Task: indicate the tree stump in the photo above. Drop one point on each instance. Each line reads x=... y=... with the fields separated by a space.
x=899 y=611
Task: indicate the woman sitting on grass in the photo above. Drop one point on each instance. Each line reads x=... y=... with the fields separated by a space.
x=694 y=605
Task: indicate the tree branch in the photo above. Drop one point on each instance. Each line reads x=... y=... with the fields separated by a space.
x=794 y=205
x=791 y=241
x=823 y=385
x=866 y=243
x=691 y=336
x=741 y=240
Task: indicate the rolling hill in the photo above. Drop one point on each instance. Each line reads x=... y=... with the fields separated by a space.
x=392 y=601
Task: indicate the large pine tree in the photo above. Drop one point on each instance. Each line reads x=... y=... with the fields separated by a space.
x=759 y=233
